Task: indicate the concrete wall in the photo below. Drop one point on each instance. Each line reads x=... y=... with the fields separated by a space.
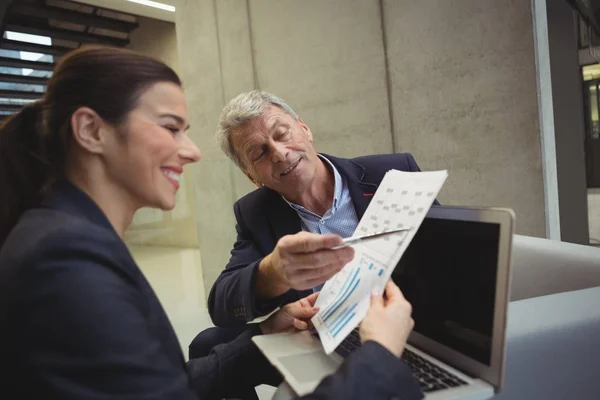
x=157 y=39
x=202 y=73
x=328 y=63
x=154 y=227
x=464 y=98
x=594 y=215
x=452 y=82
x=165 y=244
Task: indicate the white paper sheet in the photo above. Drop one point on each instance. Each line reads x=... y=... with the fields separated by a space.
x=402 y=200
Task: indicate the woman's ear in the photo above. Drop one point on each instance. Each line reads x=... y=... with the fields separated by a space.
x=86 y=125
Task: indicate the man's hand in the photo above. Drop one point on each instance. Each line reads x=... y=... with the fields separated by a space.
x=291 y=317
x=388 y=321
x=301 y=261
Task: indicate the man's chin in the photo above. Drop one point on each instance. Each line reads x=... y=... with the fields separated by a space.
x=293 y=188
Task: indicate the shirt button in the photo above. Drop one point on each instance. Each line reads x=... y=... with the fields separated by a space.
x=322 y=222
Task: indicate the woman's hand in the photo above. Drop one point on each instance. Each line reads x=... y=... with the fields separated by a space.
x=389 y=320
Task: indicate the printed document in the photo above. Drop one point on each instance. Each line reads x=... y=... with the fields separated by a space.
x=402 y=200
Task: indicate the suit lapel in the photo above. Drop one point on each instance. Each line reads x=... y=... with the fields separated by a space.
x=361 y=194
x=361 y=191
x=282 y=218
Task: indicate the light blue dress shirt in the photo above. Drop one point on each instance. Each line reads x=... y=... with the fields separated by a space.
x=340 y=219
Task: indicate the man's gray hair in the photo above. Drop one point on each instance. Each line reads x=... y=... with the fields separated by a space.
x=239 y=112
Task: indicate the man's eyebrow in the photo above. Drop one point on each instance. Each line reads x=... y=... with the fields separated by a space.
x=250 y=146
x=274 y=126
x=180 y=120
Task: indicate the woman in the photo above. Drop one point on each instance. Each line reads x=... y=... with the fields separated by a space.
x=78 y=319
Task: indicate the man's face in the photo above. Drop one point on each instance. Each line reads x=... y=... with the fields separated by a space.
x=277 y=152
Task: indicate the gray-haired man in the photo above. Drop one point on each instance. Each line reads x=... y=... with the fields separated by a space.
x=305 y=203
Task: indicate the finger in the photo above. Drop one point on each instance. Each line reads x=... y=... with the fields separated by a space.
x=312 y=298
x=304 y=303
x=302 y=312
x=309 y=278
x=392 y=292
x=309 y=301
x=300 y=325
x=305 y=242
x=308 y=272
x=311 y=283
x=376 y=300
x=323 y=258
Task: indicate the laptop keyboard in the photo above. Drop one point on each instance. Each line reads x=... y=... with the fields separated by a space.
x=431 y=377
x=348 y=345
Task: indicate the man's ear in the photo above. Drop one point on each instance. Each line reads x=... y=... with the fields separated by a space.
x=86 y=125
x=257 y=183
x=306 y=129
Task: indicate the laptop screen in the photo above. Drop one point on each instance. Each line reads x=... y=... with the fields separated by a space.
x=448 y=274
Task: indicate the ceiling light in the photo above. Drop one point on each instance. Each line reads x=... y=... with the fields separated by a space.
x=25 y=37
x=154 y=4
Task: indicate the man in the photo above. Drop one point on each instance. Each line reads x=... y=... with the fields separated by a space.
x=305 y=203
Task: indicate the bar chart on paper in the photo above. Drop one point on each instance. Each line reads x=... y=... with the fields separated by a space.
x=401 y=201
x=338 y=318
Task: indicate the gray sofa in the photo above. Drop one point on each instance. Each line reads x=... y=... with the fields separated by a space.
x=553 y=331
x=541 y=267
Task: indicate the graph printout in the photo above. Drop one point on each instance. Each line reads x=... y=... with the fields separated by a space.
x=402 y=200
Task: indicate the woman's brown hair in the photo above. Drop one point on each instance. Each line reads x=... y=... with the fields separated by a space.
x=34 y=143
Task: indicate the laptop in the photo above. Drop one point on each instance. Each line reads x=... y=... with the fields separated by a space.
x=455 y=273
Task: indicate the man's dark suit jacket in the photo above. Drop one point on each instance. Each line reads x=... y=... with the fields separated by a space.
x=263 y=217
x=78 y=320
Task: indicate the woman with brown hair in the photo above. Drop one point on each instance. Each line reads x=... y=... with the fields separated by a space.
x=78 y=320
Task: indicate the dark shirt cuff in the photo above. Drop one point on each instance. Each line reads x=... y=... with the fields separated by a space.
x=255 y=307
x=259 y=307
x=386 y=370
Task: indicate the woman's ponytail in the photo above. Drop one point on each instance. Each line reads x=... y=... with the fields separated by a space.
x=22 y=166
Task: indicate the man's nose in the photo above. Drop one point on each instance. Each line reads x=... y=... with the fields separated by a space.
x=278 y=152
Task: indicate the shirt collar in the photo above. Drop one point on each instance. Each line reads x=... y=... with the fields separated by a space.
x=337 y=191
